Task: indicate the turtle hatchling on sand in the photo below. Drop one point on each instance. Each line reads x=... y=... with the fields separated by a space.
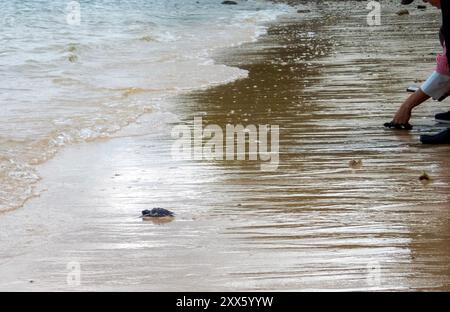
x=157 y=213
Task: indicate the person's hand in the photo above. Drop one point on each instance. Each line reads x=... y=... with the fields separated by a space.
x=401 y=118
x=403 y=115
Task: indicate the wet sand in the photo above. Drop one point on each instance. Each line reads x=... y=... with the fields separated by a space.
x=329 y=81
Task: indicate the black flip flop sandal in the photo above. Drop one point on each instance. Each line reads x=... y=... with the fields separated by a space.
x=392 y=125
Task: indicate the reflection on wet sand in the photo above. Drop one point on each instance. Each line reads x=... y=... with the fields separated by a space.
x=330 y=85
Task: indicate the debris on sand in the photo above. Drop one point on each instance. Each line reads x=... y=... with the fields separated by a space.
x=402 y=12
x=424 y=178
x=73 y=58
x=355 y=164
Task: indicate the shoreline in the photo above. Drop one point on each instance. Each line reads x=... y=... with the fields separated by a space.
x=46 y=183
x=313 y=225
x=129 y=98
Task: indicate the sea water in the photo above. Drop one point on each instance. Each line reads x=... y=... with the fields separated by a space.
x=74 y=71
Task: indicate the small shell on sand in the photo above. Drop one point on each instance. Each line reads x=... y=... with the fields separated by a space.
x=355 y=163
x=73 y=58
x=402 y=12
x=147 y=38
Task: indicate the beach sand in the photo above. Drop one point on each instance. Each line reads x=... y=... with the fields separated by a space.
x=330 y=82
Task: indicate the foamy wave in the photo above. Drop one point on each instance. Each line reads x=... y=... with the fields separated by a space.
x=17 y=180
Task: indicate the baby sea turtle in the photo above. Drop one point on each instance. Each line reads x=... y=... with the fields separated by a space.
x=157 y=213
x=397 y=126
